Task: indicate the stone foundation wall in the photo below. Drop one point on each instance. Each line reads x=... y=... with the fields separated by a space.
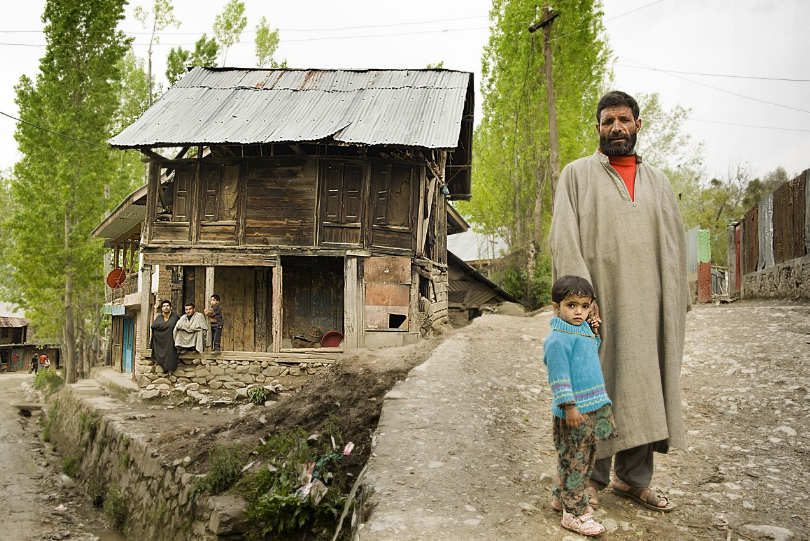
x=786 y=280
x=91 y=429
x=227 y=374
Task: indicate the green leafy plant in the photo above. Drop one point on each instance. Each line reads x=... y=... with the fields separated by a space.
x=115 y=506
x=46 y=431
x=48 y=381
x=257 y=395
x=69 y=466
x=224 y=470
x=273 y=506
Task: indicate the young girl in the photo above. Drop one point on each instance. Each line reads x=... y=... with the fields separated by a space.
x=581 y=407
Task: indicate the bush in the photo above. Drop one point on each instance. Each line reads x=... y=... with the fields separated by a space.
x=70 y=467
x=115 y=506
x=46 y=432
x=257 y=395
x=273 y=506
x=224 y=470
x=48 y=381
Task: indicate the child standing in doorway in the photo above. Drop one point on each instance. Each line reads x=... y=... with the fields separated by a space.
x=217 y=321
x=582 y=411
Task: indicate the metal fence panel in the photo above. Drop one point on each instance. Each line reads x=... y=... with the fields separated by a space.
x=750 y=240
x=765 y=232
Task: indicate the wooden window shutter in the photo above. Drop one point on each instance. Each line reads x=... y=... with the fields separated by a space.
x=210 y=178
x=352 y=185
x=182 y=189
x=334 y=192
x=381 y=179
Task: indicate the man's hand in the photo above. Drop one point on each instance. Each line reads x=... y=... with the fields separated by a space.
x=594 y=320
x=573 y=417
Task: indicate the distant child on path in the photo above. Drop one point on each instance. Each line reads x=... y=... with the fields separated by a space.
x=582 y=410
x=217 y=321
x=34 y=366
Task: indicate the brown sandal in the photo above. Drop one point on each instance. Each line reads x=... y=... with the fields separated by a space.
x=557 y=505
x=644 y=496
x=592 y=492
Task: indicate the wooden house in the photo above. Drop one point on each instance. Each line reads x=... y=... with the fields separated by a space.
x=17 y=342
x=314 y=202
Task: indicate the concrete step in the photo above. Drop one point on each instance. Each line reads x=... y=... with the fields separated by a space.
x=114 y=380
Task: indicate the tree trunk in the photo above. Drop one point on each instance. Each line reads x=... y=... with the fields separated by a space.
x=552 y=107
x=69 y=334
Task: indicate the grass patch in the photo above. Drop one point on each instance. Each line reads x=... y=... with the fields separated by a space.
x=274 y=507
x=46 y=431
x=115 y=507
x=225 y=468
x=96 y=490
x=123 y=460
x=48 y=381
x=70 y=466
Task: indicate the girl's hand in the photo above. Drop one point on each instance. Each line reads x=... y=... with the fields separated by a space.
x=573 y=417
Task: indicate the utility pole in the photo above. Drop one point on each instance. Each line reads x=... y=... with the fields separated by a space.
x=545 y=23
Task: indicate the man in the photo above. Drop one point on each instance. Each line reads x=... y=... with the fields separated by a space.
x=189 y=332
x=163 y=349
x=617 y=223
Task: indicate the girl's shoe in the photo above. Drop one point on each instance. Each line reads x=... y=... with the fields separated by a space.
x=583 y=525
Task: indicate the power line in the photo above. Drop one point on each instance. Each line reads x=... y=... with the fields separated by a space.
x=54 y=132
x=557 y=38
x=724 y=90
x=715 y=74
x=748 y=125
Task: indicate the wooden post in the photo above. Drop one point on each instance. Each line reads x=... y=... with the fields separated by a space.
x=351 y=307
x=151 y=198
x=209 y=284
x=146 y=307
x=548 y=17
x=277 y=308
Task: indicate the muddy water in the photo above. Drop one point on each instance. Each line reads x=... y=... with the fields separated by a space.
x=35 y=505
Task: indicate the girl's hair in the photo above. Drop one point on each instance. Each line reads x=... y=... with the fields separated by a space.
x=571 y=285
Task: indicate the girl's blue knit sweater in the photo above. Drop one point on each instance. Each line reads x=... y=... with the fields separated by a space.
x=571 y=354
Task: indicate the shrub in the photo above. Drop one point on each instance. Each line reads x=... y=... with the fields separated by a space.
x=115 y=506
x=46 y=431
x=224 y=470
x=273 y=506
x=70 y=467
x=257 y=395
x=48 y=381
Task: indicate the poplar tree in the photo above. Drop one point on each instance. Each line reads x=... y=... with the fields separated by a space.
x=62 y=185
x=511 y=171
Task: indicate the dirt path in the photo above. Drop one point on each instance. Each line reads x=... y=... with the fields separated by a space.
x=464 y=444
x=30 y=484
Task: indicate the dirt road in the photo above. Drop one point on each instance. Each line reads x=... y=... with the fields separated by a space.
x=31 y=486
x=464 y=444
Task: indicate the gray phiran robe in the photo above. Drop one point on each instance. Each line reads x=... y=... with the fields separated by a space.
x=163 y=350
x=634 y=254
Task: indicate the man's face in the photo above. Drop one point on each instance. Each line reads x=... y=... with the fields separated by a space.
x=189 y=310
x=617 y=130
x=166 y=308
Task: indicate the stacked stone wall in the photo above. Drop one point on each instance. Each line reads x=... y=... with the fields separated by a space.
x=789 y=280
x=226 y=374
x=155 y=492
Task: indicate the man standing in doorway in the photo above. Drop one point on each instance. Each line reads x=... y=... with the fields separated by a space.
x=617 y=224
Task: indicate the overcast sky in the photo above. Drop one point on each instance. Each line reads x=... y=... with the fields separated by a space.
x=756 y=116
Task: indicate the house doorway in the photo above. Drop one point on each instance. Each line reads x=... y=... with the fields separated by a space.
x=313 y=300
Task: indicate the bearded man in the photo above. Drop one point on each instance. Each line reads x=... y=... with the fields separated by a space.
x=189 y=331
x=617 y=223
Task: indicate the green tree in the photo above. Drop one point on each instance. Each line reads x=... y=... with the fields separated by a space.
x=160 y=18
x=133 y=102
x=229 y=24
x=512 y=179
x=757 y=189
x=266 y=44
x=179 y=59
x=438 y=66
x=59 y=184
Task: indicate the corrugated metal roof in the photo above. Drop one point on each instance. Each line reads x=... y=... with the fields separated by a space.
x=417 y=108
x=126 y=216
x=15 y=322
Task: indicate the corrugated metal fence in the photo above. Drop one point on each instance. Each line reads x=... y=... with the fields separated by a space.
x=777 y=228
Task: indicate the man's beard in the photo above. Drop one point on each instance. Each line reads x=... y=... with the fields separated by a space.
x=623 y=148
